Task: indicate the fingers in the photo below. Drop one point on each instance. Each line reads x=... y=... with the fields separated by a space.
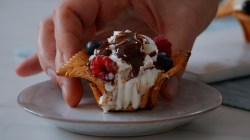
x=44 y=59
x=182 y=38
x=74 y=22
x=170 y=87
x=47 y=56
x=68 y=42
x=47 y=47
x=28 y=67
x=47 y=51
x=72 y=89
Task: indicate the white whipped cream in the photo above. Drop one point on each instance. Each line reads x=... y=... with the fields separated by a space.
x=129 y=91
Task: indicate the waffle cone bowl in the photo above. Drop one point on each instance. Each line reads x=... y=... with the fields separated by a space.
x=245 y=23
x=227 y=9
x=77 y=67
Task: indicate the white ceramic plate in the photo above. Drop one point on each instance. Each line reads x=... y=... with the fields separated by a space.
x=45 y=100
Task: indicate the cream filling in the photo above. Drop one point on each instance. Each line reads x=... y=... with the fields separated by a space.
x=130 y=91
x=125 y=92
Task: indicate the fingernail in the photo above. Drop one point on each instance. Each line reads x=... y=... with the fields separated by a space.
x=51 y=73
x=63 y=91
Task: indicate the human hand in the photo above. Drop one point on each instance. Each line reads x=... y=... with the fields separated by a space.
x=74 y=22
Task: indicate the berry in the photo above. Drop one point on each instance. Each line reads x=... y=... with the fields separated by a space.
x=92 y=45
x=164 y=61
x=163 y=44
x=103 y=67
x=246 y=7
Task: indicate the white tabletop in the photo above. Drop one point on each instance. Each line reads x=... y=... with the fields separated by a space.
x=18 y=30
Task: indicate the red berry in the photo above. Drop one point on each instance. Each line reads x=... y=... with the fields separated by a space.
x=163 y=44
x=103 y=67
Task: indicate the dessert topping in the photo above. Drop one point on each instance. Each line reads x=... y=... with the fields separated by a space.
x=129 y=49
x=164 y=61
x=103 y=67
x=127 y=46
x=163 y=44
x=92 y=45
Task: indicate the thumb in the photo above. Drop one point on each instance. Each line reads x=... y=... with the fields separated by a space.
x=169 y=88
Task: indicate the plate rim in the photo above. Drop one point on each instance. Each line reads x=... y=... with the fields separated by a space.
x=50 y=117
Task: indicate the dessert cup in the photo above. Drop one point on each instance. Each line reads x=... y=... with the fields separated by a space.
x=77 y=67
x=244 y=20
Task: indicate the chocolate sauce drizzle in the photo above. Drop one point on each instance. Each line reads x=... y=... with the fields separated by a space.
x=128 y=48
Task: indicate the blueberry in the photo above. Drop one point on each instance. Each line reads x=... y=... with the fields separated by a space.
x=92 y=45
x=246 y=7
x=165 y=61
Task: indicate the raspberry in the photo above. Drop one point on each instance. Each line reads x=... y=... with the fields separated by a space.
x=163 y=44
x=103 y=67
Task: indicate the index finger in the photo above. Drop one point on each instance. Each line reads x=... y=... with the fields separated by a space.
x=73 y=20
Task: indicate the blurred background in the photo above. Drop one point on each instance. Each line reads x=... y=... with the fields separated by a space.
x=220 y=53
x=19 y=20
x=221 y=58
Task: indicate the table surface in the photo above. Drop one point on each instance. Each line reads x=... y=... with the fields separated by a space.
x=19 y=20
